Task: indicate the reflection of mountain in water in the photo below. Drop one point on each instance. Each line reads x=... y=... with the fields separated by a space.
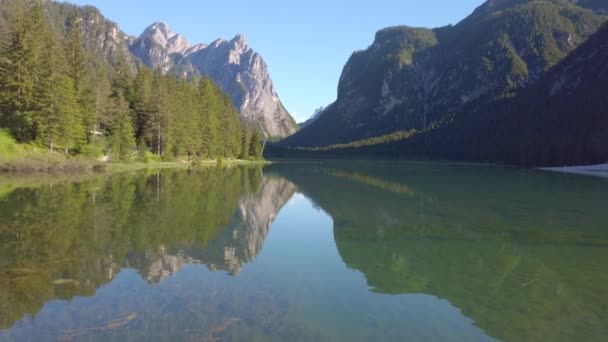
x=522 y=254
x=242 y=241
x=235 y=245
x=67 y=239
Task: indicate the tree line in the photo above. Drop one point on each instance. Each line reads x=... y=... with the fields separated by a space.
x=55 y=94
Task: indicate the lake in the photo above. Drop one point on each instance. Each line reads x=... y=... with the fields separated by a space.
x=325 y=251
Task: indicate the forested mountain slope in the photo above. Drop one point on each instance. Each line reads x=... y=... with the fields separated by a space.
x=417 y=78
x=561 y=119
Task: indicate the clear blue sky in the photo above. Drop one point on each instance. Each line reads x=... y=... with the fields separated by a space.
x=304 y=42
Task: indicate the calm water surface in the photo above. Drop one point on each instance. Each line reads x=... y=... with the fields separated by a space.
x=311 y=252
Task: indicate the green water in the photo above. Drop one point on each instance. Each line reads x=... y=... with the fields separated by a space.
x=310 y=252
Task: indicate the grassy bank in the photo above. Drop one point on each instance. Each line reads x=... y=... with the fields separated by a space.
x=20 y=158
x=35 y=162
x=135 y=166
x=30 y=159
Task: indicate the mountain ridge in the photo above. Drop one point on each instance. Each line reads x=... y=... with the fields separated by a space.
x=559 y=120
x=249 y=85
x=410 y=78
x=232 y=64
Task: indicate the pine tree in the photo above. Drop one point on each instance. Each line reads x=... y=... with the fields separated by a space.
x=122 y=81
x=21 y=66
x=157 y=124
x=78 y=72
x=186 y=134
x=246 y=135
x=142 y=100
x=122 y=141
x=192 y=119
x=231 y=127
x=102 y=103
x=57 y=120
x=52 y=92
x=257 y=144
x=210 y=107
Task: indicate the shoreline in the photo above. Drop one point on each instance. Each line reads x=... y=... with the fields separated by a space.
x=85 y=166
x=135 y=166
x=597 y=170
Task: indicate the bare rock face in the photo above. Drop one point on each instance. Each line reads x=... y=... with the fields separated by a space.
x=101 y=37
x=233 y=65
x=159 y=47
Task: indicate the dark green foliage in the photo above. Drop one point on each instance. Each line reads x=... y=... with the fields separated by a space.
x=56 y=90
x=178 y=117
x=21 y=71
x=210 y=122
x=122 y=140
x=256 y=144
x=410 y=78
x=59 y=119
x=560 y=120
x=77 y=70
x=246 y=135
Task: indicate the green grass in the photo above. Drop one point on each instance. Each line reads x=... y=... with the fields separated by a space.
x=9 y=149
x=18 y=158
x=135 y=166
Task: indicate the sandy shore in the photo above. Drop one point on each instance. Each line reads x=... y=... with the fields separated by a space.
x=600 y=170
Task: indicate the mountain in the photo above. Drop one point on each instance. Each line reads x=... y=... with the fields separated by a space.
x=233 y=65
x=418 y=78
x=318 y=112
x=102 y=38
x=561 y=119
x=159 y=47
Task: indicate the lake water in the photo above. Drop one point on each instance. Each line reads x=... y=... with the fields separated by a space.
x=306 y=251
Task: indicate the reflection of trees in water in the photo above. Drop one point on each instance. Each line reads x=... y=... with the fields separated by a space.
x=67 y=239
x=520 y=253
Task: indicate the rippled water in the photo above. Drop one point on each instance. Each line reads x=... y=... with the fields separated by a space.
x=306 y=251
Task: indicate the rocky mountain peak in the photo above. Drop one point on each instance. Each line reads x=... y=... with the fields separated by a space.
x=159 y=26
x=239 y=39
x=232 y=64
x=217 y=43
x=161 y=34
